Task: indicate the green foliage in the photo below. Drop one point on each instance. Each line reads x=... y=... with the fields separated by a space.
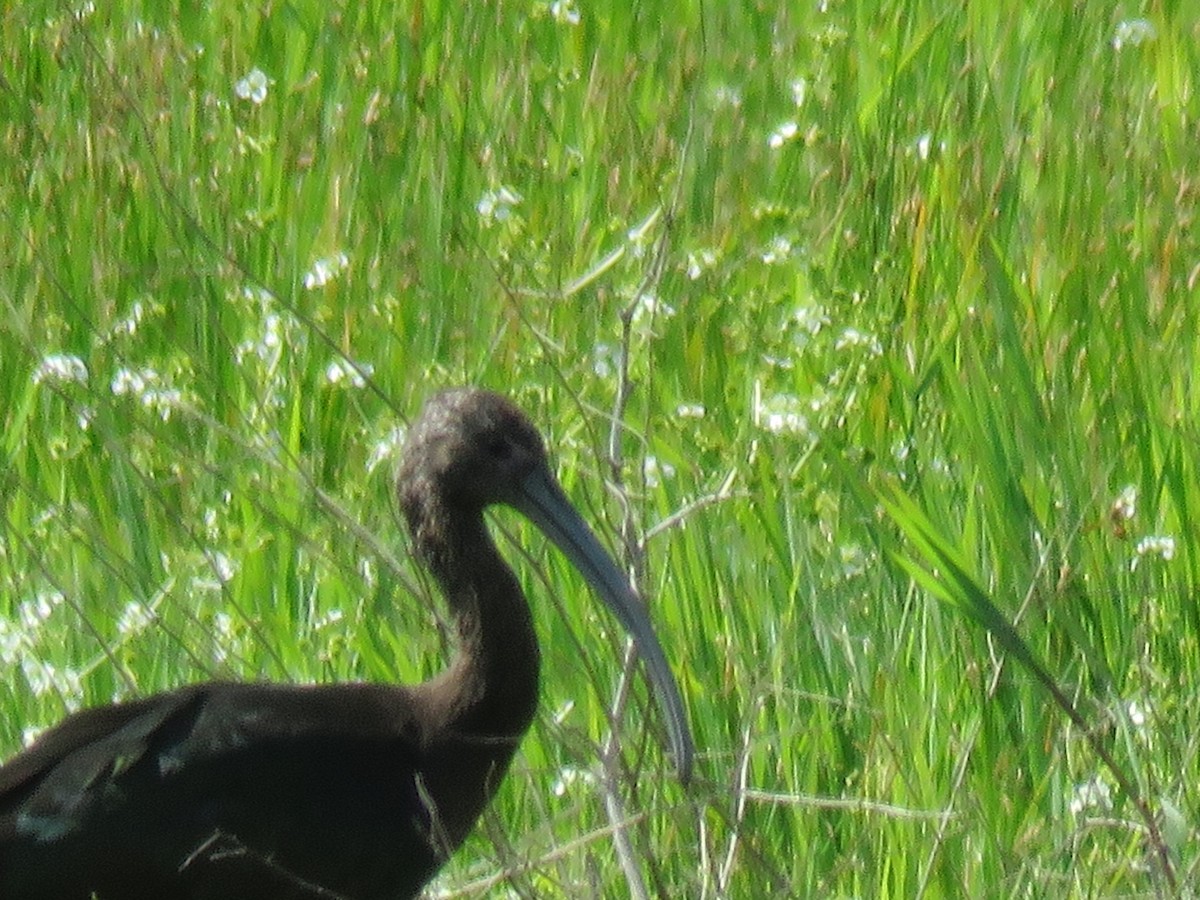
x=907 y=296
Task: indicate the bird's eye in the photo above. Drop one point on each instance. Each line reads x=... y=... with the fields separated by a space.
x=499 y=449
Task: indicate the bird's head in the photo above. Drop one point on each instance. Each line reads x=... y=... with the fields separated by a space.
x=469 y=448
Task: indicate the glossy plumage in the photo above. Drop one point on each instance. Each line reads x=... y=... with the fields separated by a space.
x=355 y=791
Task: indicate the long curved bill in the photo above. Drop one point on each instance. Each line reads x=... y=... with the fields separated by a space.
x=543 y=502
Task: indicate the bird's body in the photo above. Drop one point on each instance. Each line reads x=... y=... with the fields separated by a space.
x=340 y=792
x=169 y=802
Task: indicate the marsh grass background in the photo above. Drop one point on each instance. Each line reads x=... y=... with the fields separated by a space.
x=905 y=295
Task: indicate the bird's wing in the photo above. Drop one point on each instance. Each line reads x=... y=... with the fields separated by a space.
x=82 y=729
x=227 y=784
x=49 y=787
x=87 y=748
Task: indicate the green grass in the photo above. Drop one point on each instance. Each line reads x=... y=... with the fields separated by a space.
x=935 y=333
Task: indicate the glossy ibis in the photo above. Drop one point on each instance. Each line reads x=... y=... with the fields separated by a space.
x=230 y=790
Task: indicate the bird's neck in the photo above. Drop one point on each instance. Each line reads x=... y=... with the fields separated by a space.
x=490 y=689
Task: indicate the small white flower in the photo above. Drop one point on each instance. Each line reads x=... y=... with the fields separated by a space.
x=497 y=205
x=221 y=570
x=130 y=381
x=268 y=347
x=253 y=86
x=46 y=678
x=799 y=90
x=340 y=372
x=387 y=447
x=604 y=360
x=809 y=322
x=1160 y=545
x=1091 y=794
x=154 y=392
x=923 y=146
x=129 y=325
x=564 y=12
x=782 y=414
x=366 y=571
x=700 y=262
x=854 y=560
x=852 y=337
x=567 y=777
x=135 y=618
x=1137 y=715
x=923 y=143
x=37 y=610
x=271 y=341
x=778 y=251
x=332 y=617
x=1132 y=33
x=690 y=410
x=222 y=566
x=727 y=95
x=60 y=368
x=785 y=132
x=164 y=402
x=654 y=471
x=14 y=643
x=325 y=269
x=1124 y=508
x=648 y=309
x=939 y=465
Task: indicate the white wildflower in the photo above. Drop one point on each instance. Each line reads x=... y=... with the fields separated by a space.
x=342 y=372
x=852 y=337
x=567 y=776
x=799 y=90
x=387 y=447
x=727 y=95
x=60 y=368
x=778 y=251
x=332 y=617
x=135 y=618
x=1137 y=714
x=253 y=86
x=604 y=360
x=1124 y=507
x=45 y=678
x=497 y=205
x=854 y=560
x=325 y=269
x=782 y=414
x=1133 y=33
x=655 y=471
x=699 y=262
x=1160 y=545
x=808 y=321
x=35 y=611
x=564 y=12
x=783 y=134
x=649 y=308
x=1091 y=794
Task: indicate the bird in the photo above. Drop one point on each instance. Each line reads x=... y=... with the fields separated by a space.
x=348 y=791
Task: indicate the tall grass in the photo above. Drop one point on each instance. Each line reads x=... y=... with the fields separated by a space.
x=897 y=305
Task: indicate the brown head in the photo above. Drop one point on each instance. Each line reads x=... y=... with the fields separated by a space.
x=471 y=448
